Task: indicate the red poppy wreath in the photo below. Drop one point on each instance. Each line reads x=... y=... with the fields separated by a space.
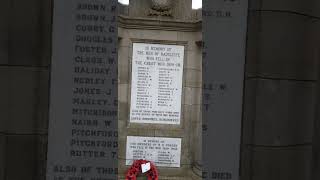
x=135 y=170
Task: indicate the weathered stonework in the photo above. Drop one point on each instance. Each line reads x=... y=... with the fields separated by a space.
x=160 y=8
x=276 y=145
x=174 y=31
x=282 y=68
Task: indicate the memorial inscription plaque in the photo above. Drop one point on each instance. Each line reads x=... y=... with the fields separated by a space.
x=156 y=84
x=163 y=152
x=83 y=136
x=224 y=35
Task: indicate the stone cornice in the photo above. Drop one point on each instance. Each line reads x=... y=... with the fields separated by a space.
x=159 y=24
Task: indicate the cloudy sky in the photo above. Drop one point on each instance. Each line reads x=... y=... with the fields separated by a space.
x=196 y=4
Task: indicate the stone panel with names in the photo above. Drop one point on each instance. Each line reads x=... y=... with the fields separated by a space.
x=224 y=35
x=83 y=137
x=156 y=84
x=164 y=152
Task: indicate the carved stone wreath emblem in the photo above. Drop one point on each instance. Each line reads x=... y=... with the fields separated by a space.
x=161 y=8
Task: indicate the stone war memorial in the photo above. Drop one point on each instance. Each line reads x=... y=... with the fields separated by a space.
x=159 y=87
x=126 y=85
x=82 y=132
x=228 y=92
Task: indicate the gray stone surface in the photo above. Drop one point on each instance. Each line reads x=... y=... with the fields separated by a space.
x=192 y=112
x=252 y=44
x=143 y=34
x=292 y=163
x=191 y=93
x=123 y=113
x=26 y=93
x=192 y=96
x=282 y=112
x=249 y=113
x=123 y=90
x=4 y=103
x=316 y=137
x=25 y=35
x=316 y=8
x=123 y=59
x=254 y=4
x=182 y=130
x=281 y=69
x=4 y=31
x=310 y=7
x=192 y=62
x=279 y=47
x=29 y=32
x=245 y=163
x=313 y=38
x=25 y=155
x=192 y=78
x=24 y=160
x=2 y=155
x=292 y=6
x=180 y=10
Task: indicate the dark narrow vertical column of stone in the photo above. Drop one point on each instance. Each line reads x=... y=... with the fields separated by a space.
x=249 y=99
x=4 y=23
x=4 y=90
x=280 y=86
x=24 y=57
x=2 y=155
x=316 y=135
x=24 y=33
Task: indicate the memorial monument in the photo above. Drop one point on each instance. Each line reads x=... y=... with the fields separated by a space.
x=159 y=85
x=280 y=132
x=82 y=133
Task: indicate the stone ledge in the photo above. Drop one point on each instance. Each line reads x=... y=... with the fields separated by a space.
x=157 y=24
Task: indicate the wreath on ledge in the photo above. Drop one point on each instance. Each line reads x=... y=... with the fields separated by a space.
x=135 y=170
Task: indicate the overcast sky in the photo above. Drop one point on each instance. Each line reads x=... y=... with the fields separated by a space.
x=196 y=4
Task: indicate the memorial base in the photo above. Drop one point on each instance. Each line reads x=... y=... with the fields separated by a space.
x=189 y=175
x=163 y=178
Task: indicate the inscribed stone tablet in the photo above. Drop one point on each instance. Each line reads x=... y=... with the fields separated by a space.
x=163 y=152
x=83 y=137
x=156 y=83
x=224 y=35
